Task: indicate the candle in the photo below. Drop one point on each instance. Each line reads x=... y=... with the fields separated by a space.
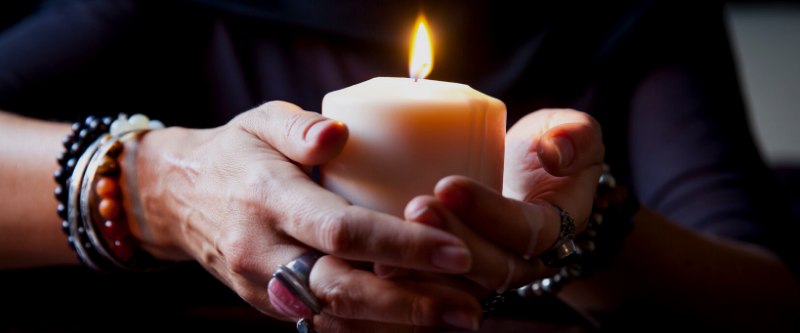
x=408 y=133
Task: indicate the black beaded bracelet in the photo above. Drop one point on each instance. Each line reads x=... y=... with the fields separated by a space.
x=84 y=133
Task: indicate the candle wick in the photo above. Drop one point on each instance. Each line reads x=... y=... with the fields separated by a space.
x=419 y=71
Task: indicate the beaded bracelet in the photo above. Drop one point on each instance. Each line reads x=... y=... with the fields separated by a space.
x=88 y=192
x=608 y=225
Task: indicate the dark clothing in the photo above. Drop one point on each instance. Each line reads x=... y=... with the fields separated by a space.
x=657 y=75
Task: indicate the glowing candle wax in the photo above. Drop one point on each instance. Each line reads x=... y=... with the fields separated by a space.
x=408 y=133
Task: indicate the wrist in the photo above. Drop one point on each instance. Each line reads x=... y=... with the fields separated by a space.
x=154 y=222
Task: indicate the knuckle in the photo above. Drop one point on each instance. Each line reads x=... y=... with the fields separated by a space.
x=408 y=256
x=274 y=106
x=238 y=257
x=419 y=310
x=267 y=110
x=293 y=124
x=336 y=234
x=339 y=299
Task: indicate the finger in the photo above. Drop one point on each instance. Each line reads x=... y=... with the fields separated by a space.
x=427 y=216
x=527 y=228
x=494 y=267
x=303 y=136
x=357 y=298
x=455 y=281
x=349 y=293
x=570 y=148
x=424 y=216
x=327 y=222
x=565 y=141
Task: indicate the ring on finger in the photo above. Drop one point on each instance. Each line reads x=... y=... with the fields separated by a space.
x=289 y=290
x=563 y=251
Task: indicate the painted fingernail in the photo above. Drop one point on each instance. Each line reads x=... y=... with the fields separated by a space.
x=325 y=131
x=460 y=318
x=452 y=258
x=451 y=195
x=565 y=150
x=285 y=302
x=426 y=216
x=313 y=132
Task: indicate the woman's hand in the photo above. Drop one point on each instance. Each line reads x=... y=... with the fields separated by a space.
x=553 y=158
x=237 y=200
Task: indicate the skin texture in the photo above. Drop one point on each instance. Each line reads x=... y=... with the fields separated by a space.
x=30 y=235
x=238 y=200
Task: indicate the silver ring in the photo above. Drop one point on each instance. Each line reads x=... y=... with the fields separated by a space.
x=563 y=251
x=294 y=276
x=304 y=326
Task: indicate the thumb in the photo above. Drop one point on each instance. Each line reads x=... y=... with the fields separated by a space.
x=570 y=148
x=566 y=141
x=303 y=136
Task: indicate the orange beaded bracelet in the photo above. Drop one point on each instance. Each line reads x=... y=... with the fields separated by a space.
x=114 y=230
x=103 y=215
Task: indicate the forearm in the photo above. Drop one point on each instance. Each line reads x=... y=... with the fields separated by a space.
x=681 y=275
x=30 y=235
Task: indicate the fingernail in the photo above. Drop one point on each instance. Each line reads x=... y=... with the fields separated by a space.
x=426 y=216
x=452 y=258
x=564 y=149
x=460 y=318
x=383 y=271
x=451 y=195
x=285 y=302
x=312 y=134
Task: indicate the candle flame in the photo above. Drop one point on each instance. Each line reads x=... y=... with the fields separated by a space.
x=421 y=62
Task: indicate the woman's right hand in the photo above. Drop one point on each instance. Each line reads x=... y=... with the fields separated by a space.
x=237 y=199
x=503 y=229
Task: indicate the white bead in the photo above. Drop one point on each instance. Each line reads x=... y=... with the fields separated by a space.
x=156 y=124
x=138 y=121
x=119 y=126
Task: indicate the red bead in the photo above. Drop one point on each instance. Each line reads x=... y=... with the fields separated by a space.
x=115 y=230
x=107 y=188
x=109 y=209
x=123 y=249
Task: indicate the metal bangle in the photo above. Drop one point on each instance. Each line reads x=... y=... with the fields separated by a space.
x=75 y=229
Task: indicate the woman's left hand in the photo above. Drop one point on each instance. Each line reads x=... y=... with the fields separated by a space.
x=553 y=158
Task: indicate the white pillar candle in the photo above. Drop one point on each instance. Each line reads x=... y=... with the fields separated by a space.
x=405 y=136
